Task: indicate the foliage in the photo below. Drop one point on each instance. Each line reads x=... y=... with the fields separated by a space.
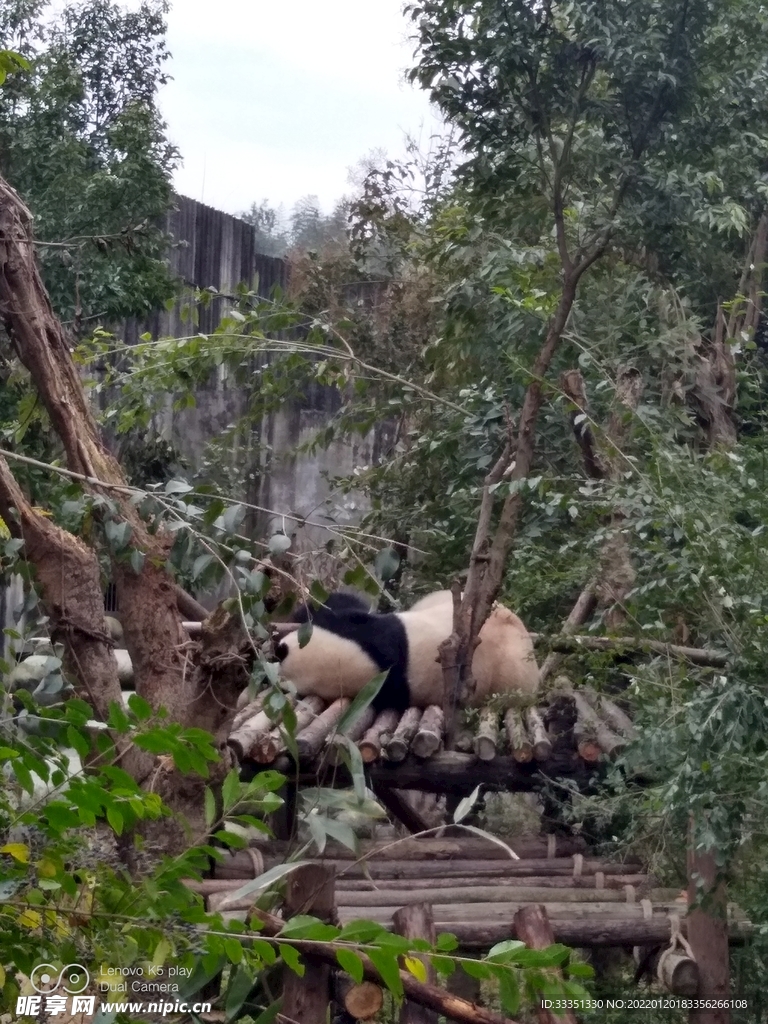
x=82 y=141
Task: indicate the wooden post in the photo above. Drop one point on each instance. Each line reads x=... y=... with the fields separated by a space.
x=417 y=922
x=310 y=890
x=533 y=928
x=708 y=935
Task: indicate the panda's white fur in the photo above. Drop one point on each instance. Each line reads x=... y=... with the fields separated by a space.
x=334 y=666
x=504 y=659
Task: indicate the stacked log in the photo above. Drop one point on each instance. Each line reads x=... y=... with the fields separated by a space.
x=574 y=722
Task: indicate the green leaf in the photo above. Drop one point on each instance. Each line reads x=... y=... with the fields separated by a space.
x=278 y=544
x=350 y=962
x=416 y=967
x=363 y=700
x=234 y=950
x=387 y=563
x=509 y=992
x=446 y=942
x=240 y=984
x=230 y=790
x=291 y=958
x=579 y=970
x=305 y=927
x=466 y=805
x=200 y=564
x=262 y=882
x=476 y=969
x=210 y=807
x=304 y=633
x=140 y=707
x=269 y=1015
x=500 y=952
x=387 y=966
x=115 y=819
x=360 y=931
x=76 y=739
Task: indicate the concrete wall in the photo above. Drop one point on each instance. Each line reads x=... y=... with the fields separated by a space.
x=214 y=250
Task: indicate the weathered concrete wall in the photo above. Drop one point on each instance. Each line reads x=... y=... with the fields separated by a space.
x=214 y=250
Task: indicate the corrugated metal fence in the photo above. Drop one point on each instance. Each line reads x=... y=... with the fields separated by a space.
x=209 y=249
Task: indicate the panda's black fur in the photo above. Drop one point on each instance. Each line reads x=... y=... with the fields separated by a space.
x=382 y=637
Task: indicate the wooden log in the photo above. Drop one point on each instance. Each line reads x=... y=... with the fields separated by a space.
x=310 y=890
x=363 y=1001
x=309 y=741
x=696 y=655
x=519 y=743
x=398 y=805
x=592 y=735
x=429 y=736
x=247 y=710
x=533 y=928
x=398 y=746
x=346 y=884
x=616 y=718
x=242 y=739
x=481 y=936
x=416 y=922
x=452 y=1007
x=599 y=932
x=499 y=892
x=449 y=913
x=336 y=744
x=378 y=735
x=452 y=773
x=679 y=973
x=487 y=735
x=464 y=741
x=542 y=745
x=269 y=745
x=239 y=865
x=453 y=847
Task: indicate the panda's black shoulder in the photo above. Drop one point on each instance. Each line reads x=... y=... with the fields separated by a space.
x=336 y=607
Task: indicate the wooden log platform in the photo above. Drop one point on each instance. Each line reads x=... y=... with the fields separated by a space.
x=570 y=733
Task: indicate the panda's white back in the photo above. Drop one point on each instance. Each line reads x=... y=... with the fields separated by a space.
x=329 y=666
x=504 y=659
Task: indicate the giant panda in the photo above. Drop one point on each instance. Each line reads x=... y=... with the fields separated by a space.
x=349 y=645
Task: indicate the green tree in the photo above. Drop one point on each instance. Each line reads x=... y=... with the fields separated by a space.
x=82 y=141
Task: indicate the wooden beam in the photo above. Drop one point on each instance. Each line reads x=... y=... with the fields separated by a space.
x=310 y=890
x=416 y=922
x=533 y=928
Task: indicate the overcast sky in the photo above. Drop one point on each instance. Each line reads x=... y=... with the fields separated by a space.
x=276 y=99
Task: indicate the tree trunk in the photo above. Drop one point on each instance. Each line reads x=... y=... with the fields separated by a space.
x=416 y=922
x=166 y=671
x=708 y=935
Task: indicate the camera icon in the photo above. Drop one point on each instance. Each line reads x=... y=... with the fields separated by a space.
x=45 y=979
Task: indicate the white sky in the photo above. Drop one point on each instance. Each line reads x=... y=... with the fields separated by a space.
x=276 y=99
